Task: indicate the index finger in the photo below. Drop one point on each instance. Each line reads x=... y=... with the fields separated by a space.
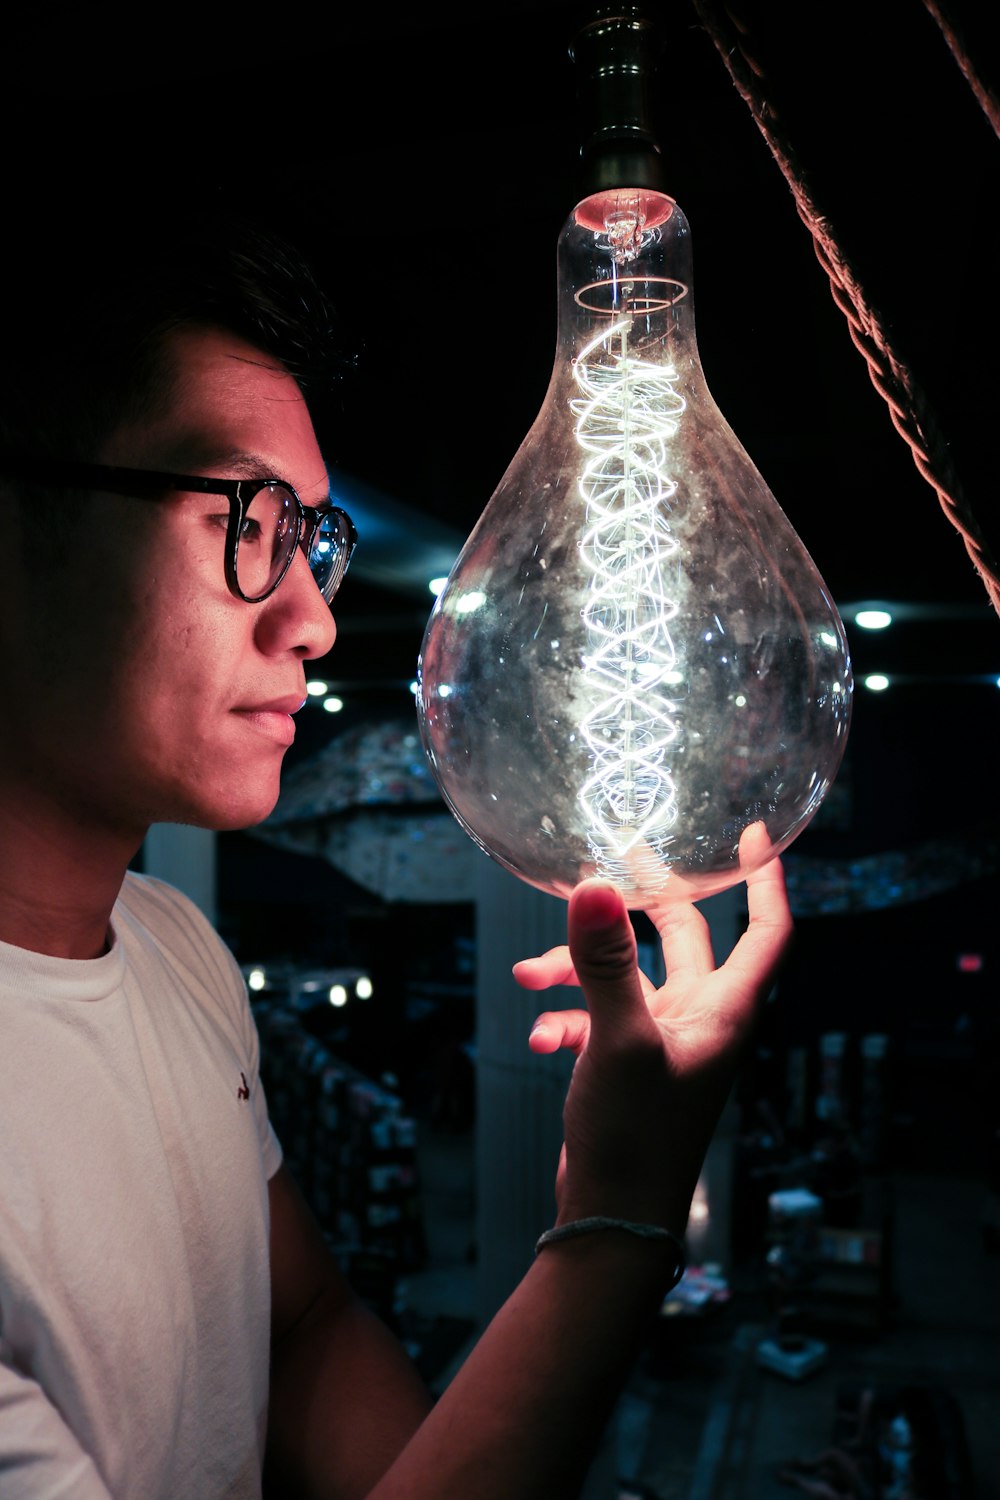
x=686 y=940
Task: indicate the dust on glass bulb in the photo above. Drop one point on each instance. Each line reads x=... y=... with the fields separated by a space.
x=654 y=666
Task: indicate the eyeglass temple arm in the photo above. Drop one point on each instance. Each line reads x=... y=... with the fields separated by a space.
x=143 y=483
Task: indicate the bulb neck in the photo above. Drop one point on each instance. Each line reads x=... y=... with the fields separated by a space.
x=616 y=54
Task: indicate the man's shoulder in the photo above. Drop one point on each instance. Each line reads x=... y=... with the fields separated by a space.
x=159 y=925
x=149 y=899
x=151 y=908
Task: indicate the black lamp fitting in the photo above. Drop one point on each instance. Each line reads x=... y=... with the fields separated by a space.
x=616 y=54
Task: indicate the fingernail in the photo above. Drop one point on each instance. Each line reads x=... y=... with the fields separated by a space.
x=601 y=908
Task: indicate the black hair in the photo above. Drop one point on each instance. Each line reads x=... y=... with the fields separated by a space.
x=89 y=295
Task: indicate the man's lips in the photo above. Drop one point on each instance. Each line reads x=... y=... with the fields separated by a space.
x=273 y=718
x=289 y=704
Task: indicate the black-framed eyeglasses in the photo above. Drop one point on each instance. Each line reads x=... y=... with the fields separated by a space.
x=267 y=520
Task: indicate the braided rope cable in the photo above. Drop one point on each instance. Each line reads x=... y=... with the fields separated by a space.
x=908 y=409
x=986 y=96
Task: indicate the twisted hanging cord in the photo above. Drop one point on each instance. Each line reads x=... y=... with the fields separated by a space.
x=986 y=96
x=908 y=409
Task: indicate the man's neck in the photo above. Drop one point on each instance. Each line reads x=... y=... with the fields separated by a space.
x=59 y=879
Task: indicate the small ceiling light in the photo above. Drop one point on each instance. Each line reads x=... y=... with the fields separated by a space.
x=877 y=682
x=316 y=689
x=338 y=994
x=436 y=585
x=873 y=619
x=256 y=979
x=333 y=705
x=364 y=989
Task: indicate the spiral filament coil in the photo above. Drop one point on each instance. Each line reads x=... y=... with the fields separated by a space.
x=627 y=413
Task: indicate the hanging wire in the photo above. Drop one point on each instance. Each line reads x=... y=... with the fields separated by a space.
x=909 y=410
x=986 y=95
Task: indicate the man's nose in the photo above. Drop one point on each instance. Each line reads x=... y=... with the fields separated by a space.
x=296 y=617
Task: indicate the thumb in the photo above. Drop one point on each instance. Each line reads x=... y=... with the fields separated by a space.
x=603 y=948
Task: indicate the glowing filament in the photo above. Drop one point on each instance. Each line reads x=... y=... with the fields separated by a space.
x=626 y=416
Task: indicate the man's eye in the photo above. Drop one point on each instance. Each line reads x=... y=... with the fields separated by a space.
x=250 y=530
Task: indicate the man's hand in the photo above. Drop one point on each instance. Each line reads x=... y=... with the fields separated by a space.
x=654 y=1066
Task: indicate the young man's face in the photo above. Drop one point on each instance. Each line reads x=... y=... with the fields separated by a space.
x=140 y=689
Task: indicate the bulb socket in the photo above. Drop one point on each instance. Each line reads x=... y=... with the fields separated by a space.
x=616 y=54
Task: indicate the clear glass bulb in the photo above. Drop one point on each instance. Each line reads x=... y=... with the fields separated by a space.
x=634 y=660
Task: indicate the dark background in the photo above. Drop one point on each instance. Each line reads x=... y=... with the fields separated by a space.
x=426 y=160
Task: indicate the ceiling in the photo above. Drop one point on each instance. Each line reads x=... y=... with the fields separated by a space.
x=426 y=160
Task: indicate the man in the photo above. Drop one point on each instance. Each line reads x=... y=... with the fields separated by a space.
x=168 y=1306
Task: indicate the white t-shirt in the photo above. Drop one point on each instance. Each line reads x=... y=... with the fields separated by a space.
x=134 y=1157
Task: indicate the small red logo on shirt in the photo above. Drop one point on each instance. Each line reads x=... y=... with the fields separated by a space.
x=244 y=1092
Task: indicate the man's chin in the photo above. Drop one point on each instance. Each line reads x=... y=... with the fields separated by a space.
x=232 y=819
x=239 y=824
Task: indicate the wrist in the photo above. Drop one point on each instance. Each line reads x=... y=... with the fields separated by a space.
x=668 y=1248
x=670 y=1214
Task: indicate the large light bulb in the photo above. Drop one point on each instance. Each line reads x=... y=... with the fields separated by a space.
x=652 y=663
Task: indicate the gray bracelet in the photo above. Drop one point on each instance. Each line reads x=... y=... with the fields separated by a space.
x=577 y=1227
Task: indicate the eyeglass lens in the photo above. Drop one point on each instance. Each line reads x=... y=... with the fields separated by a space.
x=268 y=537
x=330 y=553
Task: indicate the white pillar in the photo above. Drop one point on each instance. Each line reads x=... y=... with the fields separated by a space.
x=184 y=857
x=519 y=1096
x=519 y=1102
x=709 y=1239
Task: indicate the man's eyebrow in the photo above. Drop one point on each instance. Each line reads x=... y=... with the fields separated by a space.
x=204 y=457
